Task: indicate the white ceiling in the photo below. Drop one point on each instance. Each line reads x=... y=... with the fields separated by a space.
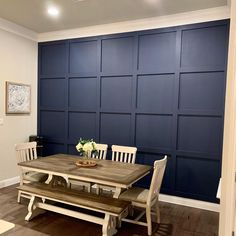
x=32 y=14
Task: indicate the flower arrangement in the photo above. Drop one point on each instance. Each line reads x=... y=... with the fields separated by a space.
x=86 y=147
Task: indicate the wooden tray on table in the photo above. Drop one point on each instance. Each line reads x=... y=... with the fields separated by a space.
x=86 y=163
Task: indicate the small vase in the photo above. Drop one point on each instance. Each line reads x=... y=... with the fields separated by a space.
x=86 y=155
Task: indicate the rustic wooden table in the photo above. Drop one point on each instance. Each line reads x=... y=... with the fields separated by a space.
x=111 y=173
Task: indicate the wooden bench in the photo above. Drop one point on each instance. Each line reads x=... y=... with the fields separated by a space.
x=40 y=194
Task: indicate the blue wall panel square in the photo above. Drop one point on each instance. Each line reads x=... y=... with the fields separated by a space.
x=154 y=131
x=200 y=134
x=155 y=93
x=204 y=47
x=83 y=93
x=52 y=124
x=157 y=52
x=53 y=59
x=53 y=148
x=116 y=93
x=196 y=176
x=117 y=55
x=203 y=91
x=82 y=125
x=83 y=57
x=72 y=150
x=53 y=93
x=115 y=129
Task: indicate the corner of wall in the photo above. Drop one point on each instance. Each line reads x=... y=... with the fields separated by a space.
x=18 y=30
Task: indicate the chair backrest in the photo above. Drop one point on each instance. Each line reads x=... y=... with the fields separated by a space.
x=26 y=151
x=124 y=153
x=101 y=151
x=158 y=173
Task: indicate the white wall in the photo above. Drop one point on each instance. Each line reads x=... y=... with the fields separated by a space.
x=228 y=189
x=18 y=63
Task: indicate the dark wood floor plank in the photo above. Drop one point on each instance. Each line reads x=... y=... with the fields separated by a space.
x=175 y=221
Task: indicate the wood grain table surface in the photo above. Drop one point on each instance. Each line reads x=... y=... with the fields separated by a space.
x=112 y=173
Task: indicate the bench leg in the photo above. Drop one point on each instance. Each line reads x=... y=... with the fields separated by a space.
x=109 y=225
x=32 y=209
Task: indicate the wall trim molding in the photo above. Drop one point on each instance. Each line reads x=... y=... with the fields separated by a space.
x=199 y=16
x=9 y=182
x=163 y=197
x=190 y=202
x=18 y=30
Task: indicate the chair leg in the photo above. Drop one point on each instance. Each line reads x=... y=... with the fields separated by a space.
x=19 y=196
x=98 y=190
x=157 y=211
x=131 y=210
x=89 y=187
x=149 y=220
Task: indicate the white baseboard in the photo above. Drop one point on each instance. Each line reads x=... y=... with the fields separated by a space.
x=190 y=202
x=9 y=182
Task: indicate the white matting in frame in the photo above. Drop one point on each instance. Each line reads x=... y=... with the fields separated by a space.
x=17 y=98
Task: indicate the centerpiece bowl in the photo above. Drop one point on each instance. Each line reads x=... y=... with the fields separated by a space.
x=86 y=163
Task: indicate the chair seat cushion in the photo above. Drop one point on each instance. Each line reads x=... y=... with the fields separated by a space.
x=33 y=176
x=135 y=194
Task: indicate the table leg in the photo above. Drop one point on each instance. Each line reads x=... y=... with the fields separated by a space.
x=53 y=178
x=117 y=192
x=49 y=179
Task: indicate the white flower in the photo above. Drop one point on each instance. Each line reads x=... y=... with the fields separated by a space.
x=94 y=146
x=79 y=146
x=88 y=147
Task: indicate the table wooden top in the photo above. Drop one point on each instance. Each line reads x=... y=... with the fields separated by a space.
x=115 y=173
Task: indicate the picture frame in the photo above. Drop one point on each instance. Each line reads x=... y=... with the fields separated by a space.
x=18 y=98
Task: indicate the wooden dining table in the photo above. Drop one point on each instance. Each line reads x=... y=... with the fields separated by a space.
x=119 y=175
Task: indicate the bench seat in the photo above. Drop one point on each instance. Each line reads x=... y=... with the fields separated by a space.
x=112 y=208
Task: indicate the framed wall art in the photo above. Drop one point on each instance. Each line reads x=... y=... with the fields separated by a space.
x=17 y=98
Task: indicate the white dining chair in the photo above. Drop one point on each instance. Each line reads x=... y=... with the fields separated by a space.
x=101 y=151
x=122 y=154
x=27 y=152
x=100 y=154
x=147 y=199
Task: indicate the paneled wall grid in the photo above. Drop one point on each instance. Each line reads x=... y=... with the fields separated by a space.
x=160 y=90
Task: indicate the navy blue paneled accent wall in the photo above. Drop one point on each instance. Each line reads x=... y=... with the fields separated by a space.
x=160 y=90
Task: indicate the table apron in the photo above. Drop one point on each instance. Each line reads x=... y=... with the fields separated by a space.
x=86 y=179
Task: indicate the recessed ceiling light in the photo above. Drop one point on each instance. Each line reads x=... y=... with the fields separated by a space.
x=53 y=11
x=75 y=1
x=152 y=1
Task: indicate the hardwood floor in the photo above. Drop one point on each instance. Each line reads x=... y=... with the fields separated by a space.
x=175 y=220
